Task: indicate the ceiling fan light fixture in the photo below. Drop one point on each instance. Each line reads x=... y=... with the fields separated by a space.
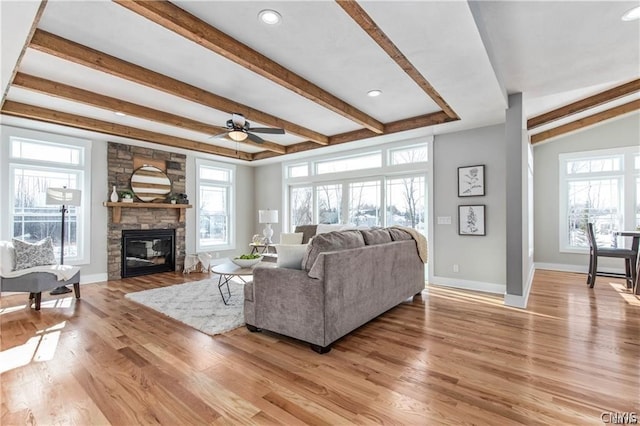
x=632 y=14
x=270 y=17
x=374 y=93
x=237 y=135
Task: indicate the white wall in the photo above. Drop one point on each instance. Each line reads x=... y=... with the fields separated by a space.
x=622 y=132
x=481 y=259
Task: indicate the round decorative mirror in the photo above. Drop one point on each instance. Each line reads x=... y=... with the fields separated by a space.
x=149 y=183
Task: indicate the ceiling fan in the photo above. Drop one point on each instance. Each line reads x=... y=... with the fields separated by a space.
x=238 y=129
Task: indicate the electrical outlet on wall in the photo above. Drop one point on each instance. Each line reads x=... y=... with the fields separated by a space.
x=456 y=267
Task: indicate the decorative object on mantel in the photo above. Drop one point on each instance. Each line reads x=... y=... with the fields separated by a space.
x=173 y=198
x=149 y=183
x=63 y=197
x=267 y=217
x=117 y=208
x=471 y=181
x=471 y=220
x=114 y=195
x=126 y=196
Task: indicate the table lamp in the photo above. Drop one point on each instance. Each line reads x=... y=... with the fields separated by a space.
x=267 y=217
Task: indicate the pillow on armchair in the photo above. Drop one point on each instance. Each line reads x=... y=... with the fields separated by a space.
x=28 y=255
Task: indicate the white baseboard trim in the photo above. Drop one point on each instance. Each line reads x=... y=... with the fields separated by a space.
x=582 y=269
x=93 y=278
x=469 y=285
x=516 y=301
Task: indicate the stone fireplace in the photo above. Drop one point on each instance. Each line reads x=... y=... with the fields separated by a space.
x=122 y=160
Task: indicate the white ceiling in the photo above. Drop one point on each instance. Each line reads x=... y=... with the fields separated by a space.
x=471 y=53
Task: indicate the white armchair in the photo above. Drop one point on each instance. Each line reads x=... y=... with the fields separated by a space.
x=36 y=279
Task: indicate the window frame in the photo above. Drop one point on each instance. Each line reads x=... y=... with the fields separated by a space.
x=626 y=187
x=230 y=189
x=82 y=170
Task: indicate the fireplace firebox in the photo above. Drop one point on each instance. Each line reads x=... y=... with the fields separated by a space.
x=148 y=251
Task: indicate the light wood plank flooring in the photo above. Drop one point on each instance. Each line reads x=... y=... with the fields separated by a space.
x=448 y=357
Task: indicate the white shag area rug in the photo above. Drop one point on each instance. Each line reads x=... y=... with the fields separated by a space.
x=197 y=304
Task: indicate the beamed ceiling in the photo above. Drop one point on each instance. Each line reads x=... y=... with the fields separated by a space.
x=176 y=71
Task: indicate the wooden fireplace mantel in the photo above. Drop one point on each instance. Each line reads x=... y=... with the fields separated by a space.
x=117 y=208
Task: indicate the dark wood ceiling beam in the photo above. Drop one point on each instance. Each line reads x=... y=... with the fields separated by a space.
x=17 y=109
x=75 y=94
x=586 y=121
x=83 y=55
x=357 y=13
x=426 y=120
x=32 y=31
x=192 y=28
x=584 y=104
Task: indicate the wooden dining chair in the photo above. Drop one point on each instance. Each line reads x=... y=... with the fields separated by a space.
x=628 y=255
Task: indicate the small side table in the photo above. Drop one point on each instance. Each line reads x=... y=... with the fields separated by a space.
x=262 y=248
x=228 y=271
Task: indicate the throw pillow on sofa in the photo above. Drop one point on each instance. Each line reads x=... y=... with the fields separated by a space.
x=291 y=238
x=290 y=255
x=28 y=255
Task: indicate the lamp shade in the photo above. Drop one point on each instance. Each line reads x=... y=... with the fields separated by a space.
x=268 y=216
x=63 y=197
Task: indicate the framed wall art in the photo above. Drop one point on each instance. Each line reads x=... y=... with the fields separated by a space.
x=471 y=220
x=471 y=181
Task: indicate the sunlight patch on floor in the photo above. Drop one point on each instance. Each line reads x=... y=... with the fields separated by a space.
x=626 y=293
x=39 y=348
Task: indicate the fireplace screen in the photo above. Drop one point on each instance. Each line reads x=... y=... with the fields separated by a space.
x=147 y=252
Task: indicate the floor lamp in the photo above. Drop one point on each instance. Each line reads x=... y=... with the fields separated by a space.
x=64 y=198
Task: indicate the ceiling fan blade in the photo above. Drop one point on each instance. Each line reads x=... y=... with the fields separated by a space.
x=219 y=135
x=269 y=130
x=255 y=138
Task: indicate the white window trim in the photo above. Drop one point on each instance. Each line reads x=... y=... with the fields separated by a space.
x=84 y=212
x=626 y=176
x=231 y=187
x=386 y=171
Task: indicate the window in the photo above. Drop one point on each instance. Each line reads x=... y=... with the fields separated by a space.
x=597 y=187
x=34 y=166
x=408 y=155
x=215 y=204
x=329 y=203
x=379 y=186
x=301 y=206
x=366 y=161
x=364 y=203
x=405 y=202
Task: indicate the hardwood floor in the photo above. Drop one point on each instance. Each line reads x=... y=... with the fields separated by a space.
x=448 y=357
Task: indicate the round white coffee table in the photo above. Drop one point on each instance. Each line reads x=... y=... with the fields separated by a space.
x=229 y=270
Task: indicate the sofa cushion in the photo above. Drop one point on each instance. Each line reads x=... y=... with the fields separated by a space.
x=290 y=255
x=331 y=241
x=308 y=231
x=323 y=228
x=375 y=236
x=398 y=234
x=28 y=255
x=291 y=238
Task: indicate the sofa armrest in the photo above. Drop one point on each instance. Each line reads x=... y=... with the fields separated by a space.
x=289 y=302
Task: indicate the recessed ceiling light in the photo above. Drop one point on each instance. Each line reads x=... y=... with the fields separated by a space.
x=270 y=17
x=374 y=93
x=120 y=114
x=632 y=14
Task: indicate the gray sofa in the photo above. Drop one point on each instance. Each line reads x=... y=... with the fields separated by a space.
x=347 y=279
